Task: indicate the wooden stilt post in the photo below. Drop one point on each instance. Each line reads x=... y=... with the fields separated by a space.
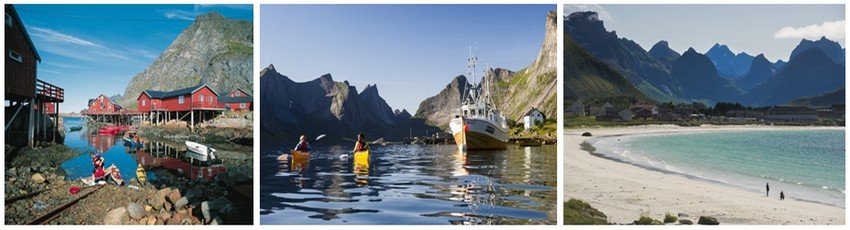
x=30 y=124
x=192 y=119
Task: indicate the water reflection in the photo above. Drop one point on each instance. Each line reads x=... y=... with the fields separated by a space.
x=409 y=184
x=152 y=155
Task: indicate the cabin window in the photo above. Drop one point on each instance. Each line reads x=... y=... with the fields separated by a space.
x=143 y=102
x=8 y=20
x=242 y=105
x=209 y=98
x=16 y=56
x=201 y=98
x=180 y=99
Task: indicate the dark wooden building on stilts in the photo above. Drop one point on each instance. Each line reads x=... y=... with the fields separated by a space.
x=26 y=121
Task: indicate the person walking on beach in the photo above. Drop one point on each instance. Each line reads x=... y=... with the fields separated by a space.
x=767 y=187
x=781 y=195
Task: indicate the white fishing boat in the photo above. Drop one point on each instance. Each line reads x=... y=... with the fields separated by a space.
x=477 y=124
x=200 y=151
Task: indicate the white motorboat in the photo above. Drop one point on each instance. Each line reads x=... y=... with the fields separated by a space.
x=200 y=151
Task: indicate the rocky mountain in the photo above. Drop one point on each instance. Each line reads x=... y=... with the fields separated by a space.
x=586 y=78
x=514 y=93
x=325 y=106
x=831 y=48
x=779 y=64
x=832 y=98
x=728 y=64
x=699 y=80
x=810 y=73
x=214 y=50
x=662 y=51
x=760 y=70
x=645 y=72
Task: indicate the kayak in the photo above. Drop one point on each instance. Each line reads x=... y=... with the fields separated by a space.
x=300 y=160
x=112 y=172
x=140 y=174
x=76 y=128
x=361 y=158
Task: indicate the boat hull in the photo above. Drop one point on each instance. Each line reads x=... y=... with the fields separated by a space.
x=199 y=151
x=478 y=134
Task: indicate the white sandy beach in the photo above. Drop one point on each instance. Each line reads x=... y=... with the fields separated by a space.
x=623 y=191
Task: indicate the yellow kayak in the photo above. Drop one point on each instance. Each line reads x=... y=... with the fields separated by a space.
x=140 y=174
x=300 y=159
x=362 y=158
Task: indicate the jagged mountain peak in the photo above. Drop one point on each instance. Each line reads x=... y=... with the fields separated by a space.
x=214 y=50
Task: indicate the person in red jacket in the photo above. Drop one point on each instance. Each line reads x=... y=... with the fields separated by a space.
x=361 y=144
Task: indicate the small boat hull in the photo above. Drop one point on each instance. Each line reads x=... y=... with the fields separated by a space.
x=199 y=151
x=300 y=160
x=478 y=134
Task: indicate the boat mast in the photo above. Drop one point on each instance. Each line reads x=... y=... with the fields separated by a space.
x=473 y=61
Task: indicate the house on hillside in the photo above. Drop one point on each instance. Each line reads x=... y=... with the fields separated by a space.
x=532 y=117
x=238 y=100
x=600 y=111
x=574 y=110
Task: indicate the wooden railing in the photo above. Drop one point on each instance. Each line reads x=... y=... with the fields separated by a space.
x=49 y=91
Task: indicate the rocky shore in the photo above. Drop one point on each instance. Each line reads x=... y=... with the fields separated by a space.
x=171 y=199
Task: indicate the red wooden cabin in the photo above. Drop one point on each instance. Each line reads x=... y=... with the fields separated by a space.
x=238 y=100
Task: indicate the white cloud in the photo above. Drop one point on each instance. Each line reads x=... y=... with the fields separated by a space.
x=110 y=54
x=231 y=6
x=603 y=14
x=55 y=36
x=831 y=29
x=179 y=14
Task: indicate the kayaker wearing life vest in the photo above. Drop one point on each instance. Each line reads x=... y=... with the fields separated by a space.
x=303 y=146
x=361 y=144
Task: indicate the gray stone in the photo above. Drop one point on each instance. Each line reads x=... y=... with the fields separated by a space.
x=37 y=178
x=136 y=211
x=205 y=210
x=216 y=221
x=157 y=202
x=116 y=216
x=686 y=222
x=181 y=203
x=174 y=196
x=707 y=220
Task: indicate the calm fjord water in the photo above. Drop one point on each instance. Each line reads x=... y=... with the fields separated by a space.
x=410 y=184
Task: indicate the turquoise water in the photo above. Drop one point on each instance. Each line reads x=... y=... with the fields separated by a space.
x=806 y=164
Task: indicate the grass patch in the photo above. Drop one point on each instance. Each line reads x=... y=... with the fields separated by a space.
x=645 y=220
x=577 y=212
x=670 y=218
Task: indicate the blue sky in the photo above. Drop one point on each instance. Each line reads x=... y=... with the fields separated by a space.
x=770 y=29
x=96 y=49
x=410 y=51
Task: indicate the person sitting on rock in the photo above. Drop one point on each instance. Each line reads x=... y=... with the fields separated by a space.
x=361 y=144
x=97 y=161
x=302 y=145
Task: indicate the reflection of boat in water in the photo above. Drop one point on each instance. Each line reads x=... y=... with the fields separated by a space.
x=477 y=124
x=199 y=151
x=361 y=167
x=131 y=141
x=169 y=155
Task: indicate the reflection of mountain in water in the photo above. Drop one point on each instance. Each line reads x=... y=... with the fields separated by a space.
x=410 y=184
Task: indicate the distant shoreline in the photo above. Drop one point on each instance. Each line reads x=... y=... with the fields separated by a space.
x=624 y=191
